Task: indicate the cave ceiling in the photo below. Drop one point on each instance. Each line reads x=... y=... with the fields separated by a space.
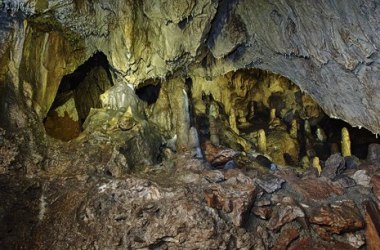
x=328 y=48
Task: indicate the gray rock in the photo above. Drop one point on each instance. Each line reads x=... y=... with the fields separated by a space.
x=362 y=178
x=345 y=181
x=373 y=153
x=334 y=165
x=352 y=162
x=230 y=165
x=270 y=183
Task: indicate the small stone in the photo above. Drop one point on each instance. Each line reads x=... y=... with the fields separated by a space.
x=345 y=181
x=270 y=183
x=233 y=197
x=284 y=215
x=213 y=176
x=352 y=162
x=262 y=212
x=285 y=238
x=230 y=165
x=361 y=178
x=264 y=161
x=355 y=239
x=262 y=203
x=217 y=156
x=334 y=165
x=338 y=217
x=126 y=123
x=373 y=155
x=323 y=234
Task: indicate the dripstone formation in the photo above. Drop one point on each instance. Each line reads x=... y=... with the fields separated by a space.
x=189 y=124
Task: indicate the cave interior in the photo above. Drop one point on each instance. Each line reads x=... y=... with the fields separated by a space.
x=189 y=124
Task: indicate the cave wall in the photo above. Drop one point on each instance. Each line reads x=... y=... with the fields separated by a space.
x=328 y=48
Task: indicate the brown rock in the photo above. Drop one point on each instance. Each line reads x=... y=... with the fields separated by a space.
x=315 y=188
x=262 y=203
x=233 y=197
x=323 y=234
x=375 y=182
x=217 y=156
x=286 y=237
x=339 y=217
x=283 y=215
x=262 y=212
x=308 y=243
x=213 y=176
x=372 y=231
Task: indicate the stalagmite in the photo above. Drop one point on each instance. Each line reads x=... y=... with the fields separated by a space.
x=294 y=129
x=345 y=143
x=182 y=117
x=307 y=127
x=262 y=141
x=232 y=120
x=317 y=165
x=321 y=135
x=213 y=116
x=305 y=162
x=272 y=115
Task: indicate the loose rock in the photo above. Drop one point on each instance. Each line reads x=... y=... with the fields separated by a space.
x=270 y=183
x=338 y=217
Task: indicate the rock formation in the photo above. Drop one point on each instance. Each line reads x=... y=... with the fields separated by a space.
x=189 y=124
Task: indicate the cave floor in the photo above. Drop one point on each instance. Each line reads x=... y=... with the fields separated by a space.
x=183 y=202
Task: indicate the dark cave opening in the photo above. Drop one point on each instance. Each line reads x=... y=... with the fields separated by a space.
x=150 y=91
x=78 y=92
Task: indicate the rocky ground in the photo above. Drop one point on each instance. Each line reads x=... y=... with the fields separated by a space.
x=83 y=199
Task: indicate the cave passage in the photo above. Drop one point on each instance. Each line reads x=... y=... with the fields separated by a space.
x=240 y=104
x=150 y=91
x=77 y=94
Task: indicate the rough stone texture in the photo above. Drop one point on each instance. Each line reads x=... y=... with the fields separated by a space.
x=309 y=243
x=338 y=217
x=86 y=197
x=334 y=165
x=372 y=231
x=97 y=190
x=314 y=189
x=373 y=153
x=270 y=183
x=284 y=214
x=328 y=48
x=285 y=238
x=375 y=182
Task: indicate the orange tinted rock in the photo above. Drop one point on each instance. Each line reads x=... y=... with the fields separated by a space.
x=285 y=238
x=307 y=243
x=372 y=231
x=338 y=217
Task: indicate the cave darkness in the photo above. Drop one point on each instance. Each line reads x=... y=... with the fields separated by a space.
x=84 y=87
